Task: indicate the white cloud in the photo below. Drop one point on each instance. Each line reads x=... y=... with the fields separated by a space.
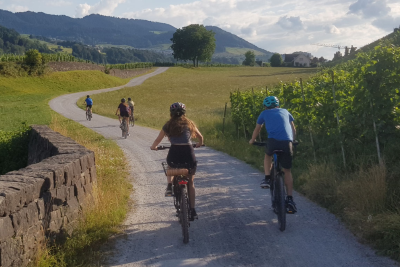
x=332 y=29
x=59 y=3
x=104 y=7
x=290 y=23
x=17 y=8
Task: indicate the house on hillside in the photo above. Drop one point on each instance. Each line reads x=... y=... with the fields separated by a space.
x=298 y=60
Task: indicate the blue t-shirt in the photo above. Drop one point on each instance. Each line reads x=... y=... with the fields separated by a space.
x=89 y=101
x=277 y=122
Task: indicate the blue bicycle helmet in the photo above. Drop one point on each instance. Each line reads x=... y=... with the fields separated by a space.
x=271 y=102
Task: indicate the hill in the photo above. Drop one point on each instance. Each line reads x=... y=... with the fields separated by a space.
x=98 y=29
x=11 y=42
x=392 y=38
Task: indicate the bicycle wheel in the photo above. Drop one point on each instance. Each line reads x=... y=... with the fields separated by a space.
x=185 y=215
x=87 y=115
x=132 y=120
x=271 y=189
x=280 y=203
x=90 y=115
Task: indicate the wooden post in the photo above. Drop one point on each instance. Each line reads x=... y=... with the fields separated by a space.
x=223 y=123
x=309 y=125
x=337 y=119
x=378 y=149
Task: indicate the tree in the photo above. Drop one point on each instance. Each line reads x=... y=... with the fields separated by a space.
x=193 y=42
x=276 y=60
x=250 y=58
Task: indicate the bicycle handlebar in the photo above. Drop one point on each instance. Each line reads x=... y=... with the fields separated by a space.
x=167 y=147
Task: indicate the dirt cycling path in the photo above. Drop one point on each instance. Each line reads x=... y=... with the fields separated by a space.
x=236 y=226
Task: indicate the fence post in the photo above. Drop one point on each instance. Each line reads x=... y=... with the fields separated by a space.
x=223 y=123
x=378 y=149
x=337 y=118
x=309 y=125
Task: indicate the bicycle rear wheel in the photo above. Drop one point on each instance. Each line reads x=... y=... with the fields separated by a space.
x=280 y=204
x=87 y=115
x=185 y=215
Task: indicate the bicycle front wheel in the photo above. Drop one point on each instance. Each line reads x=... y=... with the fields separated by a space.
x=185 y=215
x=280 y=204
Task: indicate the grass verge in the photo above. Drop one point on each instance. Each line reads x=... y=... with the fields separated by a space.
x=111 y=198
x=25 y=102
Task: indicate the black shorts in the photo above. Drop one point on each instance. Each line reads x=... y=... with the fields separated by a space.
x=285 y=159
x=89 y=106
x=182 y=155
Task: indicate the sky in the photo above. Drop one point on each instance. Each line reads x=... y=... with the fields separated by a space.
x=283 y=26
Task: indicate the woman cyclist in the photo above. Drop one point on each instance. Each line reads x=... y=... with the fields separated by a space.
x=179 y=130
x=124 y=112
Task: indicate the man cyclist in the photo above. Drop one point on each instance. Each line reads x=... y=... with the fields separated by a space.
x=88 y=102
x=281 y=133
x=132 y=107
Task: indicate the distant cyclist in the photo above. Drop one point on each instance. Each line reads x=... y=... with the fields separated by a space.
x=281 y=133
x=132 y=107
x=179 y=130
x=124 y=112
x=89 y=103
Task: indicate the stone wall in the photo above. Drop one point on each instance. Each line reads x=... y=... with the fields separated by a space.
x=43 y=200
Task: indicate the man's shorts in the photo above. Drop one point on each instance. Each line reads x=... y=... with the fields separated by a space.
x=285 y=159
x=89 y=106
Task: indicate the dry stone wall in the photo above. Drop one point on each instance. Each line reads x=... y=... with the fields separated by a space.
x=44 y=200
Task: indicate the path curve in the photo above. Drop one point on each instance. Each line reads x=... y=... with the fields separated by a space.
x=236 y=226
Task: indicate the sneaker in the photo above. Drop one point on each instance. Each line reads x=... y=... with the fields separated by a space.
x=265 y=183
x=193 y=214
x=129 y=134
x=168 y=191
x=290 y=205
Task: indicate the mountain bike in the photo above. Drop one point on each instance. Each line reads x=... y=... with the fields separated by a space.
x=277 y=187
x=124 y=127
x=180 y=174
x=89 y=114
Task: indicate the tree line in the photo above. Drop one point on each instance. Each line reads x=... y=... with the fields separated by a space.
x=11 y=42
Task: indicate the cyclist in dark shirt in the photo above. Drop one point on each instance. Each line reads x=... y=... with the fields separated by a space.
x=179 y=130
x=281 y=133
x=124 y=112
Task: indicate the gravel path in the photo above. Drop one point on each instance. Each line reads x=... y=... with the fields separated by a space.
x=236 y=226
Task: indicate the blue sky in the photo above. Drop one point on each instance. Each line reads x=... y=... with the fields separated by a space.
x=279 y=26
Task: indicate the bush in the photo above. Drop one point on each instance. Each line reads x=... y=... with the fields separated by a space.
x=14 y=149
x=276 y=60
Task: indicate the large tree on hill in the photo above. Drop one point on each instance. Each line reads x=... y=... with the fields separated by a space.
x=250 y=58
x=193 y=42
x=276 y=60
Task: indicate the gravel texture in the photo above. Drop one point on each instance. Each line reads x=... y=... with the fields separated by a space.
x=236 y=225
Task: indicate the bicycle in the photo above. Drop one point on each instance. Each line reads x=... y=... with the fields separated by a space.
x=277 y=187
x=131 y=119
x=89 y=114
x=124 y=128
x=180 y=192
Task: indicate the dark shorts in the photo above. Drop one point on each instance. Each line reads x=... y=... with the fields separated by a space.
x=89 y=106
x=182 y=155
x=285 y=159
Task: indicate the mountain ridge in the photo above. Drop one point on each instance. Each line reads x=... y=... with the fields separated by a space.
x=98 y=29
